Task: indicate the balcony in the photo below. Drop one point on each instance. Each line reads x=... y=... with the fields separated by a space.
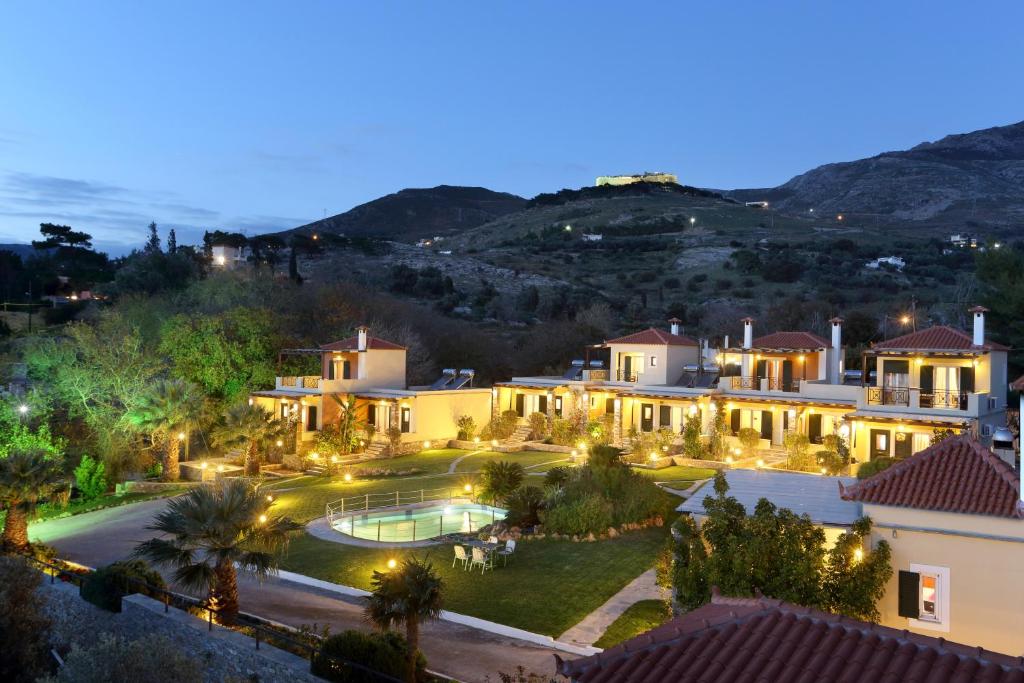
x=889 y=396
x=747 y=383
x=779 y=384
x=950 y=400
x=623 y=376
x=308 y=382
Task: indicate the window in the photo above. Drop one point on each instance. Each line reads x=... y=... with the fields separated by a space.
x=406 y=424
x=924 y=597
x=558 y=406
x=993 y=402
x=654 y=361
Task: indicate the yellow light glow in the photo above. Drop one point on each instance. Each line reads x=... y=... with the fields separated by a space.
x=801 y=358
x=204 y=464
x=221 y=260
x=426 y=444
x=574 y=453
x=653 y=456
x=270 y=498
x=760 y=462
x=823 y=470
x=334 y=458
x=181 y=436
x=918 y=361
x=220 y=468
x=467 y=488
x=905 y=319
x=392 y=564
x=858 y=555
x=314 y=456
x=582 y=446
x=693 y=409
x=263 y=519
x=728 y=460
x=494 y=442
x=476 y=439
x=280 y=443
x=348 y=477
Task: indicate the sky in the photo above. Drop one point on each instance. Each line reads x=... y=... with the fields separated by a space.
x=261 y=116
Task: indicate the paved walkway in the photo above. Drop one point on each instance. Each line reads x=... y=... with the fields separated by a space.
x=464 y=653
x=593 y=626
x=455 y=463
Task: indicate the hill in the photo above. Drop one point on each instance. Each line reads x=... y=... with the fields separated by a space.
x=414 y=213
x=967 y=180
x=22 y=250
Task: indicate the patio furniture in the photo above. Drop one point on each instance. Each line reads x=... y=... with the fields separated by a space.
x=493 y=540
x=507 y=552
x=482 y=558
x=461 y=556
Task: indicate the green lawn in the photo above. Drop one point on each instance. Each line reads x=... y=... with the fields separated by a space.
x=529 y=459
x=677 y=473
x=549 y=587
x=641 y=617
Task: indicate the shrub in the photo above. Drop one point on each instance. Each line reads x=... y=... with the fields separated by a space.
x=90 y=478
x=24 y=628
x=499 y=478
x=107 y=585
x=874 y=466
x=538 y=425
x=384 y=653
x=394 y=435
x=604 y=457
x=467 y=427
x=692 y=446
x=565 y=432
x=798 y=452
x=556 y=477
x=523 y=506
x=115 y=660
x=750 y=439
x=590 y=514
x=501 y=427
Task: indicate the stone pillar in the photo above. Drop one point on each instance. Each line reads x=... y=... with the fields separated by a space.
x=495 y=391
x=617 y=422
x=551 y=408
x=748 y=341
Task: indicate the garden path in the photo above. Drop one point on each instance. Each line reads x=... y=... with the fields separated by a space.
x=455 y=463
x=593 y=626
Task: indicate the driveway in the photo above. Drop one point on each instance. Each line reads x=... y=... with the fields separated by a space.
x=464 y=653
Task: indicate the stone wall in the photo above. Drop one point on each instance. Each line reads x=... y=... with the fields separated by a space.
x=224 y=653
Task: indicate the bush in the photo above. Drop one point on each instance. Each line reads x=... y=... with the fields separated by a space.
x=538 y=425
x=556 y=477
x=90 y=478
x=798 y=452
x=107 y=585
x=565 y=432
x=523 y=506
x=605 y=457
x=115 y=660
x=24 y=627
x=467 y=427
x=499 y=478
x=750 y=439
x=873 y=467
x=501 y=427
x=380 y=652
x=590 y=514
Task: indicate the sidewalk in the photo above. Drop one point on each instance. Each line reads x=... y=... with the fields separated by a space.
x=593 y=626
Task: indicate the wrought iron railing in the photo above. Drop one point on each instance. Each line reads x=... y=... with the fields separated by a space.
x=745 y=383
x=623 y=376
x=779 y=384
x=302 y=381
x=953 y=400
x=889 y=396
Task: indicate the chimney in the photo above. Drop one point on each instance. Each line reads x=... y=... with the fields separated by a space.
x=674 y=325
x=836 y=361
x=361 y=332
x=979 y=324
x=748 y=332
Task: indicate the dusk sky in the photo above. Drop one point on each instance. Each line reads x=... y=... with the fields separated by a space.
x=260 y=116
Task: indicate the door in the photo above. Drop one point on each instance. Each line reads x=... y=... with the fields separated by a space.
x=760 y=372
x=879 y=443
x=734 y=421
x=346 y=369
x=371 y=414
x=310 y=418
x=647 y=417
x=902 y=445
x=521 y=405
x=627 y=368
x=542 y=404
x=814 y=428
x=766 y=425
x=609 y=406
x=406 y=420
x=665 y=416
x=787 y=375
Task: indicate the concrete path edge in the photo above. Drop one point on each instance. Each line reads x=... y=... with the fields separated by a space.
x=454 y=617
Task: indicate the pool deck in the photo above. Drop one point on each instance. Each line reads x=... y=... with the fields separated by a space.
x=322 y=529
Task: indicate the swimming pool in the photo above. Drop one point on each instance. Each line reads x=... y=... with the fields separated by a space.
x=419 y=523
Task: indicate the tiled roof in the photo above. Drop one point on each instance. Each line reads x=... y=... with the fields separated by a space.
x=937 y=338
x=791 y=340
x=654 y=336
x=756 y=639
x=352 y=344
x=957 y=474
x=1018 y=384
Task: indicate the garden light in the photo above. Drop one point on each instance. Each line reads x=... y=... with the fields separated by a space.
x=574 y=453
x=728 y=460
x=270 y=498
x=348 y=477
x=760 y=463
x=823 y=470
x=204 y=464
x=426 y=444
x=494 y=442
x=653 y=456
x=220 y=468
x=334 y=458
x=858 y=555
x=392 y=564
x=314 y=456
x=263 y=519
x=476 y=439
x=280 y=443
x=467 y=488
x=23 y=408
x=181 y=436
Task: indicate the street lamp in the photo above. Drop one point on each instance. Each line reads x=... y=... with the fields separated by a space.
x=692 y=221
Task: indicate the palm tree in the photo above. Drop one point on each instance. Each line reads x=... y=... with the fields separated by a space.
x=407 y=595
x=169 y=409
x=499 y=478
x=250 y=427
x=26 y=478
x=210 y=529
x=348 y=424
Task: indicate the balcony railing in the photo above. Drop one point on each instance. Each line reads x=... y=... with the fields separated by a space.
x=952 y=400
x=779 y=384
x=623 y=376
x=889 y=396
x=302 y=382
x=745 y=383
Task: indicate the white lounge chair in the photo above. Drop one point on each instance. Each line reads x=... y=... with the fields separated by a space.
x=507 y=552
x=461 y=556
x=481 y=558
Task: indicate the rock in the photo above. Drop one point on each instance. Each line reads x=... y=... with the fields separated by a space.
x=658 y=521
x=612 y=533
x=539 y=537
x=590 y=537
x=575 y=538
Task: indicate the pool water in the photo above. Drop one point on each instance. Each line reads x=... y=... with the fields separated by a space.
x=418 y=524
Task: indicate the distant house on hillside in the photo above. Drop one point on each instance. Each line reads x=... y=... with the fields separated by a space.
x=229 y=256
x=646 y=177
x=892 y=261
x=592 y=237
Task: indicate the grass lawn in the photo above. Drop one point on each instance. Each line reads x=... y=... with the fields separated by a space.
x=548 y=588
x=526 y=458
x=641 y=617
x=677 y=473
x=77 y=507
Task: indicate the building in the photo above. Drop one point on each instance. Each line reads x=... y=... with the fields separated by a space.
x=954 y=519
x=891 y=261
x=907 y=389
x=373 y=370
x=229 y=256
x=757 y=639
x=647 y=177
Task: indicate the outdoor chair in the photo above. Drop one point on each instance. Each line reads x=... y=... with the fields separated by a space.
x=507 y=552
x=481 y=558
x=493 y=540
x=461 y=556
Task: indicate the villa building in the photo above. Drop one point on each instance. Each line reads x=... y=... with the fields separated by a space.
x=373 y=370
x=937 y=378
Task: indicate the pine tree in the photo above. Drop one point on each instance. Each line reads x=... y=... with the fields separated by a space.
x=172 y=242
x=153 y=243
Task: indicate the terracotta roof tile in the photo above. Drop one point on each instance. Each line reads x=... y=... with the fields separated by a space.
x=352 y=344
x=791 y=340
x=654 y=336
x=756 y=639
x=957 y=474
x=937 y=338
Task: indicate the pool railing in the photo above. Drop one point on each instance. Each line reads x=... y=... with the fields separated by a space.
x=376 y=501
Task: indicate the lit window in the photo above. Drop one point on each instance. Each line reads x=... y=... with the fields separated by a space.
x=929 y=597
x=924 y=597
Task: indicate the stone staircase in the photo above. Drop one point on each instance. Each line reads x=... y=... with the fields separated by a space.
x=520 y=435
x=376 y=449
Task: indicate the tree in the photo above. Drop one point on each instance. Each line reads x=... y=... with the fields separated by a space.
x=692 y=447
x=499 y=478
x=798 y=454
x=855 y=581
x=153 y=241
x=58 y=236
x=349 y=424
x=90 y=478
x=172 y=242
x=24 y=628
x=169 y=411
x=26 y=478
x=407 y=595
x=212 y=528
x=750 y=439
x=250 y=427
